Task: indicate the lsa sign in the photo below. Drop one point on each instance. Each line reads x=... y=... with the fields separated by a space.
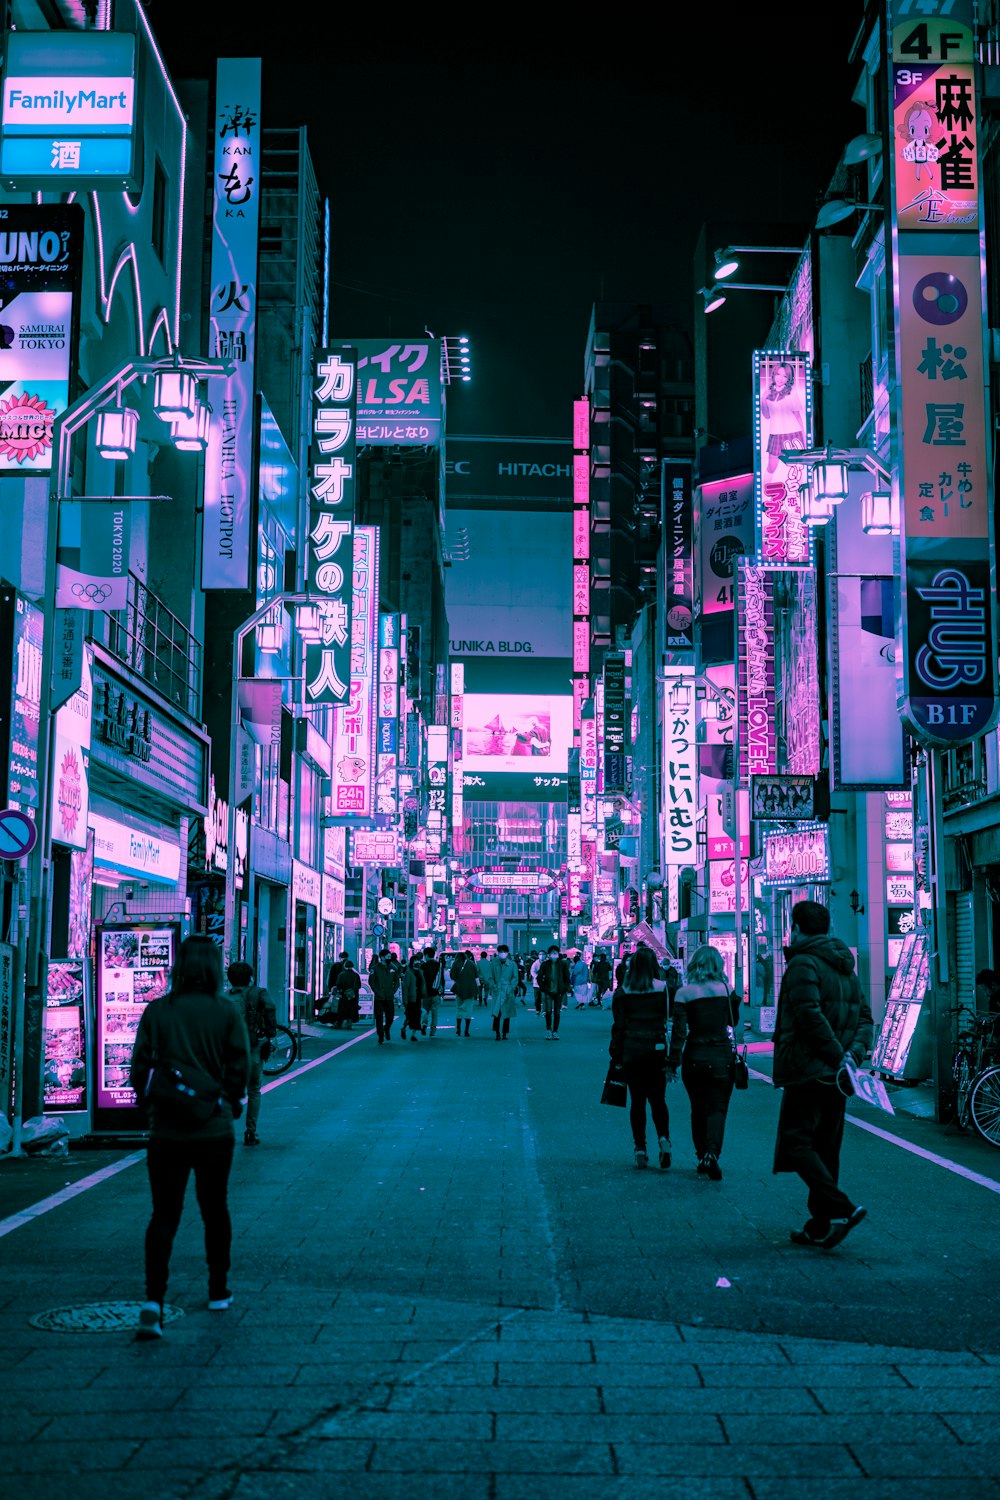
x=69 y=110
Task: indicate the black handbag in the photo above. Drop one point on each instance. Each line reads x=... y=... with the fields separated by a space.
x=741 y=1077
x=615 y=1090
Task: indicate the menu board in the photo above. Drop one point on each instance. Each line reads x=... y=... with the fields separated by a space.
x=134 y=960
x=64 y=1084
x=909 y=986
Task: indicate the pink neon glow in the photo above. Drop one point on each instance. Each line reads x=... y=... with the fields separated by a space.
x=581 y=479
x=581 y=425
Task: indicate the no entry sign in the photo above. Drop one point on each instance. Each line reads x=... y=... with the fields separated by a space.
x=18 y=834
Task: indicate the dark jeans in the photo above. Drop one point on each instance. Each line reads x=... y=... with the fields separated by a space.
x=385 y=1014
x=709 y=1087
x=553 y=1009
x=506 y=1025
x=169 y=1164
x=647 y=1084
x=810 y=1132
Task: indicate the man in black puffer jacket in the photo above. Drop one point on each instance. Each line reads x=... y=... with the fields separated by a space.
x=823 y=1018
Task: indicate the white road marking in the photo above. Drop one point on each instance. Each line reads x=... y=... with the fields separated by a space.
x=66 y=1194
x=886 y=1135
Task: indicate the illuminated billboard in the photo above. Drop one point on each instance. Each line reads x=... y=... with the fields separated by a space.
x=782 y=413
x=332 y=483
x=353 y=777
x=399 y=392
x=756 y=695
x=525 y=732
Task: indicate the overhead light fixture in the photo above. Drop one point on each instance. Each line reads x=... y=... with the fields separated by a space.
x=816 y=509
x=835 y=210
x=830 y=479
x=714 y=297
x=117 y=429
x=862 y=148
x=680 y=697
x=190 y=434
x=309 y=625
x=175 y=395
x=727 y=260
x=879 y=513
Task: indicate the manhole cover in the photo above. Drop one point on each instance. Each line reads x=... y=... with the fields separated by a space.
x=97 y=1317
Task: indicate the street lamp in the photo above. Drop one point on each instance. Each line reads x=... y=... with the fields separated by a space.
x=727 y=261
x=828 y=472
x=716 y=294
x=116 y=436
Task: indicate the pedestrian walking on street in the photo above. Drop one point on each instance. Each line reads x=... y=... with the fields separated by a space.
x=198 y=1030
x=484 y=969
x=600 y=974
x=433 y=972
x=414 y=993
x=522 y=976
x=465 y=983
x=503 y=992
x=823 y=1020
x=555 y=983
x=383 y=976
x=580 y=976
x=342 y=1009
x=535 y=969
x=703 y=1049
x=257 y=1010
x=639 y=1048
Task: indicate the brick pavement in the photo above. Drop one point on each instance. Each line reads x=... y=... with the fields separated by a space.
x=450 y=1283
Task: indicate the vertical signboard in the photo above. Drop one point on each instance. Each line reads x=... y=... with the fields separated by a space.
x=41 y=253
x=332 y=483
x=236 y=185
x=25 y=704
x=942 y=457
x=614 y=723
x=70 y=794
x=755 y=671
x=354 y=721
x=387 y=733
x=134 y=960
x=581 y=557
x=680 y=781
x=782 y=421
x=457 y=773
x=678 y=555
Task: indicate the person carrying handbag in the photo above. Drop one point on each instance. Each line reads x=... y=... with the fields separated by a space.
x=702 y=1048
x=194 y=1033
x=639 y=1048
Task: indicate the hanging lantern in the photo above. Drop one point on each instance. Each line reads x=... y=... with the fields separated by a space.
x=117 y=429
x=174 y=395
x=830 y=479
x=190 y=434
x=308 y=624
x=680 y=697
x=816 y=510
x=879 y=513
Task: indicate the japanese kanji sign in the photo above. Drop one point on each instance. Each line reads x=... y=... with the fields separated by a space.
x=782 y=421
x=226 y=553
x=354 y=721
x=614 y=722
x=399 y=392
x=678 y=554
x=332 y=485
x=942 y=460
x=756 y=697
x=680 y=772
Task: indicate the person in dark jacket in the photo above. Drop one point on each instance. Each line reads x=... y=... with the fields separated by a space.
x=257 y=1010
x=198 y=1029
x=433 y=971
x=639 y=1048
x=346 y=992
x=383 y=976
x=414 y=994
x=703 y=1048
x=600 y=973
x=555 y=983
x=823 y=1019
x=465 y=984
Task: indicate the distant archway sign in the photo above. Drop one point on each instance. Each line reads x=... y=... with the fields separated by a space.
x=18 y=834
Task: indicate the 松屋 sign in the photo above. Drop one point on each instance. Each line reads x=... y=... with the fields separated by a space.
x=69 y=111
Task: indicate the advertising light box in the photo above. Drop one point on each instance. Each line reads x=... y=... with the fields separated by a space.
x=529 y=733
x=134 y=960
x=69 y=111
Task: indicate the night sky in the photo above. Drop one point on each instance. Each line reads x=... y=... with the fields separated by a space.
x=500 y=193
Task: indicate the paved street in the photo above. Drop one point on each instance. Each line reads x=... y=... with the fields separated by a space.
x=451 y=1281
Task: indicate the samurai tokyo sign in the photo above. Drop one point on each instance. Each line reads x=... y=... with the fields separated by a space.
x=332 y=482
x=939 y=420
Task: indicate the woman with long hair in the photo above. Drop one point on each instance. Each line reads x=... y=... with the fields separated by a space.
x=639 y=1048
x=198 y=1030
x=703 y=1047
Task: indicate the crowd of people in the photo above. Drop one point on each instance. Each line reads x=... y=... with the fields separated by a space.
x=199 y=1050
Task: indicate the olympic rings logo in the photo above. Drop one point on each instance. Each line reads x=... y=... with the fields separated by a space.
x=95 y=592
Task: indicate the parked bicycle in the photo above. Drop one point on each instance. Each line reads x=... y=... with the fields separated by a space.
x=975 y=1062
x=284 y=1051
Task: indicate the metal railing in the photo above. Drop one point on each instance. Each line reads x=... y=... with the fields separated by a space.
x=157 y=646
